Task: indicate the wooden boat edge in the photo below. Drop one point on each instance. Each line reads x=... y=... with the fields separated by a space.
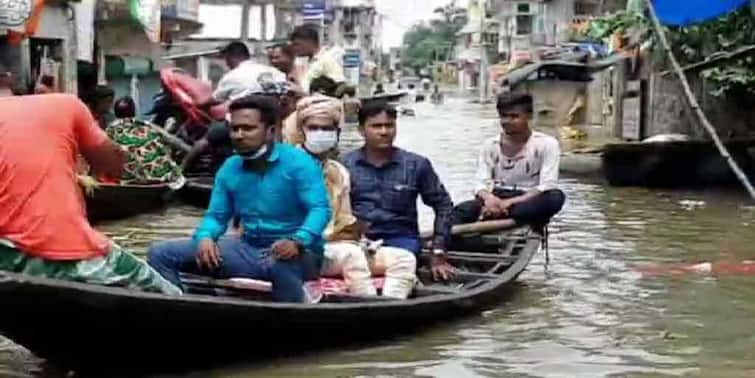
x=15 y=279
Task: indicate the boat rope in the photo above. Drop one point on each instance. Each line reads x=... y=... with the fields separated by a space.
x=694 y=105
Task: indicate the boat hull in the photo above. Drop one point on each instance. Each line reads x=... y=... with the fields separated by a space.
x=90 y=328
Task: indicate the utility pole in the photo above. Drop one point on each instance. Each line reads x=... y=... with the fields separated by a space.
x=483 y=82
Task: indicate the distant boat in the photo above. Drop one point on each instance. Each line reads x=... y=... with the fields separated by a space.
x=114 y=201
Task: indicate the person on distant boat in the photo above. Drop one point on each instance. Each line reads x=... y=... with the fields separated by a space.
x=283 y=58
x=385 y=184
x=100 y=102
x=378 y=89
x=279 y=194
x=517 y=171
x=44 y=230
x=436 y=97
x=351 y=104
x=305 y=41
x=319 y=118
x=149 y=156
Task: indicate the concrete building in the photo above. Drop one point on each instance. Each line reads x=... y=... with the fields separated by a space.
x=258 y=23
x=52 y=46
x=525 y=25
x=351 y=30
x=127 y=57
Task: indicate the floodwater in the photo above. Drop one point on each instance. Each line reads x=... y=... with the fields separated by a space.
x=590 y=314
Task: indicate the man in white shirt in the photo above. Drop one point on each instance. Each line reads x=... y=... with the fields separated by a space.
x=305 y=41
x=246 y=77
x=517 y=171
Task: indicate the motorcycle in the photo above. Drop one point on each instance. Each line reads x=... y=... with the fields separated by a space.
x=178 y=106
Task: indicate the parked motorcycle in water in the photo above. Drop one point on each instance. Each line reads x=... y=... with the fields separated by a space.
x=178 y=106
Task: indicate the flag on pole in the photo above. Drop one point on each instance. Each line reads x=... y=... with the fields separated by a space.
x=147 y=13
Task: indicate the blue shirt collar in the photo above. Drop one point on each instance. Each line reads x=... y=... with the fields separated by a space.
x=396 y=158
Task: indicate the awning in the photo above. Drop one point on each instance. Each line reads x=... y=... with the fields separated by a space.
x=687 y=12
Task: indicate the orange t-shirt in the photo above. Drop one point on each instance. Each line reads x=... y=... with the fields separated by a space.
x=42 y=209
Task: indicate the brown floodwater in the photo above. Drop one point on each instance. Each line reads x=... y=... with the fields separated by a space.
x=590 y=314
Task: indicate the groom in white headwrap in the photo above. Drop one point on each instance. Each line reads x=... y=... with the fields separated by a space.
x=319 y=118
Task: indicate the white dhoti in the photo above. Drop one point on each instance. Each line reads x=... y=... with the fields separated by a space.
x=398 y=266
x=347 y=259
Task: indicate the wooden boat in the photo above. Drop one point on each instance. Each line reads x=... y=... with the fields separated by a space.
x=113 y=201
x=675 y=163
x=89 y=328
x=197 y=191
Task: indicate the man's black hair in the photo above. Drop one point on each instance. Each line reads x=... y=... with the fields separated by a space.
x=324 y=85
x=124 y=107
x=285 y=49
x=507 y=101
x=373 y=108
x=102 y=92
x=267 y=106
x=236 y=49
x=307 y=33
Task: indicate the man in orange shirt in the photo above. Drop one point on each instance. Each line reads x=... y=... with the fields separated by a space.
x=43 y=226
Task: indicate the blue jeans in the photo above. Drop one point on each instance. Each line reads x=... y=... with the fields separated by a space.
x=238 y=259
x=410 y=243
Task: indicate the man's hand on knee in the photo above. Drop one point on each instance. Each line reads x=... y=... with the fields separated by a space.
x=208 y=255
x=286 y=249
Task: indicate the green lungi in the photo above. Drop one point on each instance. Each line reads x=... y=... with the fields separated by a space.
x=117 y=268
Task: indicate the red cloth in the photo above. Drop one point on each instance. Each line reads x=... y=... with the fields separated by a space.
x=188 y=92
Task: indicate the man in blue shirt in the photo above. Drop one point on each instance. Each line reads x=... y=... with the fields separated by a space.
x=279 y=194
x=385 y=184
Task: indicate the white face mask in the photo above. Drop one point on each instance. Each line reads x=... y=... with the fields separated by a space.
x=319 y=141
x=256 y=155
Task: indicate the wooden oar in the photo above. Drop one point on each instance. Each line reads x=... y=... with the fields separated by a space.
x=476 y=227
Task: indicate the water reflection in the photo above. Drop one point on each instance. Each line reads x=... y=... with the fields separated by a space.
x=589 y=314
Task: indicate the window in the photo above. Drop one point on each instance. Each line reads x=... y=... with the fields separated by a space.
x=585 y=8
x=220 y=21
x=523 y=8
x=523 y=24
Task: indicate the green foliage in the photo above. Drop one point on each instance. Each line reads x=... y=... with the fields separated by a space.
x=426 y=43
x=697 y=42
x=694 y=44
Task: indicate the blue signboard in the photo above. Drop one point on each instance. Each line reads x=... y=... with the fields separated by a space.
x=313 y=8
x=352 y=58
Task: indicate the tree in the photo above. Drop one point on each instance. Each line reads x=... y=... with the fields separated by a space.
x=425 y=43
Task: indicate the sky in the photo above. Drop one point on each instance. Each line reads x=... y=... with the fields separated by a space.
x=399 y=16
x=402 y=14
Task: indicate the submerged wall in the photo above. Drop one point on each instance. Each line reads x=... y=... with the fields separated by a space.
x=668 y=111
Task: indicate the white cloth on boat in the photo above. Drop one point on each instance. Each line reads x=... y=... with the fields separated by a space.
x=348 y=259
x=534 y=167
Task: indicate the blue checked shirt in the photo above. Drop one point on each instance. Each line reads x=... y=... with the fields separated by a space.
x=386 y=197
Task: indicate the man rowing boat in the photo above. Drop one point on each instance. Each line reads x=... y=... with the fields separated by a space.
x=44 y=230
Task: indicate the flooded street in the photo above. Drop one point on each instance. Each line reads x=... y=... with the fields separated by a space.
x=590 y=314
